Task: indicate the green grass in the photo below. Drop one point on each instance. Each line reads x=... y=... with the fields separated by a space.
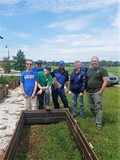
x=106 y=142
x=114 y=70
x=47 y=142
x=56 y=142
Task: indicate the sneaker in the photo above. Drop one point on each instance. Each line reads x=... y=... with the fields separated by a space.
x=47 y=108
x=98 y=127
x=82 y=117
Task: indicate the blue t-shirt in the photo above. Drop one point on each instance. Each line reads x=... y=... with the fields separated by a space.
x=37 y=70
x=28 y=79
x=61 y=77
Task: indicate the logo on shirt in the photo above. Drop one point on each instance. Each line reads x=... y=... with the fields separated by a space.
x=29 y=76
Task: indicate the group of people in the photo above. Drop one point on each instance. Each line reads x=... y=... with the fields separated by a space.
x=37 y=83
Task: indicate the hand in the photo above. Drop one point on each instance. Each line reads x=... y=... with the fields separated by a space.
x=44 y=88
x=39 y=92
x=81 y=94
x=33 y=95
x=69 y=92
x=25 y=95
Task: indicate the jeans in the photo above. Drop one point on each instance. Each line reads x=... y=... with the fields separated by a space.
x=76 y=96
x=44 y=99
x=63 y=97
x=95 y=103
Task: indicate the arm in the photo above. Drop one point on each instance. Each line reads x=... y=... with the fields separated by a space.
x=67 y=86
x=84 y=81
x=34 y=91
x=23 y=91
x=105 y=81
x=22 y=87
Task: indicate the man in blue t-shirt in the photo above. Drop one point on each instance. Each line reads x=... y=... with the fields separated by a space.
x=28 y=83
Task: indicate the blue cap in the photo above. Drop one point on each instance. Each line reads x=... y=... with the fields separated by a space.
x=61 y=63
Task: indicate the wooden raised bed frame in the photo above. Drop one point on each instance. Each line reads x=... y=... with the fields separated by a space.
x=47 y=117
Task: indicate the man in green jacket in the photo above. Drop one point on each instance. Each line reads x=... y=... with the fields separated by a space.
x=44 y=83
x=97 y=78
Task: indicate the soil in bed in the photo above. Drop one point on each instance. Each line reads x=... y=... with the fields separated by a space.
x=47 y=142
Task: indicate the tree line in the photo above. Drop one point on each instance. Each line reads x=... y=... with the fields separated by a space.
x=18 y=63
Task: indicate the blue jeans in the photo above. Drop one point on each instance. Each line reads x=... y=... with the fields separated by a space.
x=95 y=103
x=63 y=97
x=44 y=99
x=76 y=96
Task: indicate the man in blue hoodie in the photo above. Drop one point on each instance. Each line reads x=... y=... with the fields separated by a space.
x=77 y=86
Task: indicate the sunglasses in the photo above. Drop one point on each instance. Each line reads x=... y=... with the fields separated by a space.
x=29 y=64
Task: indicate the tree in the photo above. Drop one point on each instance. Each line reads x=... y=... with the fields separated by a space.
x=6 y=65
x=19 y=61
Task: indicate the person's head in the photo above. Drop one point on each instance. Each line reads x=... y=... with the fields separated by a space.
x=38 y=64
x=47 y=70
x=77 y=65
x=94 y=62
x=61 y=65
x=29 y=64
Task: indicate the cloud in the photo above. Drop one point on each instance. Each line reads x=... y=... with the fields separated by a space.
x=75 y=24
x=77 y=46
x=22 y=35
x=17 y=7
x=116 y=22
x=9 y=2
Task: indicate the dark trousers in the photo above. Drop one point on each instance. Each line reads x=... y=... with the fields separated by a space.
x=41 y=100
x=63 y=97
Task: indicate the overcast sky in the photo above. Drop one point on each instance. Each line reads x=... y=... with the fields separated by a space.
x=66 y=30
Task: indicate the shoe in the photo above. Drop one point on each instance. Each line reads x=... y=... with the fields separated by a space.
x=47 y=108
x=99 y=127
x=82 y=117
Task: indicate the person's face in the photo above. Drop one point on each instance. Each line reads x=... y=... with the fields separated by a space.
x=29 y=65
x=77 y=66
x=38 y=66
x=61 y=67
x=46 y=71
x=94 y=62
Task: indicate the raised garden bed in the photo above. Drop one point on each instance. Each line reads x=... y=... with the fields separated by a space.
x=47 y=117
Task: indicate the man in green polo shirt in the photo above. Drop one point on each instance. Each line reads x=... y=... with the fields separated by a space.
x=97 y=78
x=44 y=83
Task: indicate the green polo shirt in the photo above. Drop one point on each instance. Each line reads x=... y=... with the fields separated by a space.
x=95 y=79
x=44 y=80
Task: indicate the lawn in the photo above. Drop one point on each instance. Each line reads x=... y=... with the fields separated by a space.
x=106 y=142
x=47 y=142
x=55 y=141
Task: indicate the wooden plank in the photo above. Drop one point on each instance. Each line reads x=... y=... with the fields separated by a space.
x=10 y=152
x=39 y=120
x=44 y=113
x=87 y=151
x=46 y=117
